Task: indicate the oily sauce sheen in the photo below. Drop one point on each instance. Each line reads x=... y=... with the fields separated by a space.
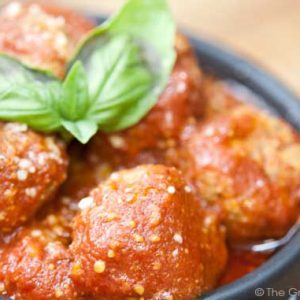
x=148 y=212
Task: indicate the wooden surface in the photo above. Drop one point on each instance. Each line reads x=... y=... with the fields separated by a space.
x=267 y=31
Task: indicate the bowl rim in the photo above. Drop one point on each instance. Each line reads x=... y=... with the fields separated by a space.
x=218 y=59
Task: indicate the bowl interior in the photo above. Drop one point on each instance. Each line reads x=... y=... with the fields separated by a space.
x=282 y=270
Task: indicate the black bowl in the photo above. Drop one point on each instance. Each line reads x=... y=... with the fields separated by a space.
x=280 y=275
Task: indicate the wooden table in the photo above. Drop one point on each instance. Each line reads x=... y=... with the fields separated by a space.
x=267 y=31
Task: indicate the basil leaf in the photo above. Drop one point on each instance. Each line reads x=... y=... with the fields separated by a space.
x=27 y=96
x=13 y=67
x=116 y=78
x=43 y=103
x=83 y=130
x=124 y=77
x=128 y=60
x=76 y=98
x=74 y=105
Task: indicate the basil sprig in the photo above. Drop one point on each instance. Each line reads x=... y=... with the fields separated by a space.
x=115 y=78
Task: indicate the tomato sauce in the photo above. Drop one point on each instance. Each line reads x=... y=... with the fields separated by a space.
x=240 y=264
x=146 y=213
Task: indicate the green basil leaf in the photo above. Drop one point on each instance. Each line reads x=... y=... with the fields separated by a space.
x=42 y=102
x=76 y=98
x=128 y=60
x=27 y=96
x=14 y=68
x=82 y=130
x=116 y=78
x=124 y=78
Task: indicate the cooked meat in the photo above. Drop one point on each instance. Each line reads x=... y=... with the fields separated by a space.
x=144 y=213
x=245 y=163
x=36 y=266
x=32 y=167
x=40 y=34
x=179 y=104
x=143 y=233
x=219 y=97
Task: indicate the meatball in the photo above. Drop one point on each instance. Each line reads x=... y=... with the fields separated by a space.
x=143 y=233
x=246 y=164
x=32 y=167
x=36 y=266
x=179 y=104
x=220 y=96
x=40 y=34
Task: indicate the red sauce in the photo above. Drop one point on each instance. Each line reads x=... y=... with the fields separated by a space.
x=237 y=178
x=240 y=264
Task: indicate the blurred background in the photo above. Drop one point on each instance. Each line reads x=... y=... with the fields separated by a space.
x=266 y=31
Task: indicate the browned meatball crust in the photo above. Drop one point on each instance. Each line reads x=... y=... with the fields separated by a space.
x=40 y=34
x=32 y=167
x=142 y=233
x=36 y=265
x=245 y=163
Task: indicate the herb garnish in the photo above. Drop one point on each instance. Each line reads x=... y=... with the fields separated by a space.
x=114 y=79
